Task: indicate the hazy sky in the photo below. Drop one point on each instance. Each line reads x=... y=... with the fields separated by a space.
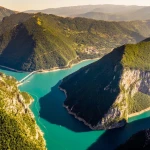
x=22 y=5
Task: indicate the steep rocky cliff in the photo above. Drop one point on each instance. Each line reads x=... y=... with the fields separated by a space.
x=133 y=99
x=104 y=94
x=18 y=129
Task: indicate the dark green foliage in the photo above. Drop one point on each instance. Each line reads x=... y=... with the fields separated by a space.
x=20 y=39
x=18 y=129
x=35 y=46
x=137 y=56
x=92 y=90
x=12 y=135
x=39 y=41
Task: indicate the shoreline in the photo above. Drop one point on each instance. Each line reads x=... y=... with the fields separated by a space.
x=11 y=69
x=139 y=113
x=49 y=70
x=84 y=61
x=63 y=68
x=87 y=124
x=55 y=69
x=37 y=127
x=94 y=128
x=71 y=113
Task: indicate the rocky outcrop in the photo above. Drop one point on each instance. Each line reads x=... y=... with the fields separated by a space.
x=16 y=118
x=132 y=82
x=106 y=93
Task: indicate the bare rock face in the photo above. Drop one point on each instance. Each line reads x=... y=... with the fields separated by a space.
x=132 y=82
x=106 y=93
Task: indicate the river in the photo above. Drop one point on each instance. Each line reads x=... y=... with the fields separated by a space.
x=61 y=130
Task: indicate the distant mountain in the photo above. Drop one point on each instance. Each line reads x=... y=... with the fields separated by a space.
x=5 y=12
x=116 y=9
x=102 y=16
x=141 y=14
x=76 y=10
x=132 y=14
x=106 y=93
x=38 y=41
x=18 y=128
x=101 y=12
x=138 y=141
x=66 y=11
x=135 y=14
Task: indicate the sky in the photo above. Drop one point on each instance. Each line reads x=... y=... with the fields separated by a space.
x=22 y=5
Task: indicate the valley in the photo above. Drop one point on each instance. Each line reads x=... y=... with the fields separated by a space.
x=75 y=77
x=40 y=41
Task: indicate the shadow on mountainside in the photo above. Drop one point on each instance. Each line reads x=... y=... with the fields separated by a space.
x=92 y=90
x=89 y=95
x=53 y=111
x=111 y=139
x=19 y=48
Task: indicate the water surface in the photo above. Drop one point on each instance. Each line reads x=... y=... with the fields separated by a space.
x=61 y=130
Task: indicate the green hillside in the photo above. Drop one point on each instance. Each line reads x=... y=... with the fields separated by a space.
x=18 y=128
x=40 y=41
x=104 y=93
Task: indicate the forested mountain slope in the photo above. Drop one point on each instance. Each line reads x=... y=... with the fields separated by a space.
x=104 y=94
x=38 y=41
x=18 y=129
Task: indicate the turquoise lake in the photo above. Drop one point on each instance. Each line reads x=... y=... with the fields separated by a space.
x=61 y=130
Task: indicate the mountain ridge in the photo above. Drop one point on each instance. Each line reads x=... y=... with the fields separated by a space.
x=106 y=12
x=110 y=89
x=4 y=12
x=40 y=41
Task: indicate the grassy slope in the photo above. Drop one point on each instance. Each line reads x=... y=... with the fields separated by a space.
x=137 y=56
x=95 y=87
